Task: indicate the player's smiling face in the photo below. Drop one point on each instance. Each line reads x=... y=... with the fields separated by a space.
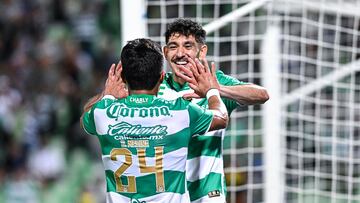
x=179 y=48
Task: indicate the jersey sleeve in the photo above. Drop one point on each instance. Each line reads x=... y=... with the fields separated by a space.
x=200 y=119
x=227 y=80
x=88 y=122
x=88 y=118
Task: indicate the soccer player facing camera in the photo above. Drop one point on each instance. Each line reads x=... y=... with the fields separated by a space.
x=185 y=41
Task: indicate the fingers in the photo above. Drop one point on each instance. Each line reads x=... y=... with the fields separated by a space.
x=194 y=87
x=118 y=70
x=191 y=96
x=187 y=72
x=205 y=64
x=186 y=75
x=112 y=70
x=115 y=73
x=213 y=69
x=199 y=66
x=193 y=68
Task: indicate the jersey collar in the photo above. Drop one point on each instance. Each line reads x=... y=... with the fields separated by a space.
x=174 y=85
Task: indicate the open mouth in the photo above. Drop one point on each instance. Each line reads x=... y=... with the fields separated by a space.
x=181 y=63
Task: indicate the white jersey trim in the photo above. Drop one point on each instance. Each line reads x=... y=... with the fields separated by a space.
x=108 y=96
x=165 y=197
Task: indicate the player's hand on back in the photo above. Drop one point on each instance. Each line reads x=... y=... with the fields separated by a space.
x=200 y=78
x=114 y=85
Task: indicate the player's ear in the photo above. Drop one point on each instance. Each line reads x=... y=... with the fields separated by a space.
x=202 y=52
x=165 y=50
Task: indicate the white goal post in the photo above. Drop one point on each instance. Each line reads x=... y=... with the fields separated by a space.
x=133 y=20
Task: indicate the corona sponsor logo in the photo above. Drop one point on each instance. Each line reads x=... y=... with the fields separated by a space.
x=120 y=110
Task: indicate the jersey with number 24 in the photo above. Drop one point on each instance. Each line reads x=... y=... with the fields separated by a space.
x=144 y=142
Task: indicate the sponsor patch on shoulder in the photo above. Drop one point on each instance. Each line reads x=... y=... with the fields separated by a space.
x=214 y=193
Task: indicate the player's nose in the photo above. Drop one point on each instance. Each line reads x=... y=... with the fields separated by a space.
x=180 y=52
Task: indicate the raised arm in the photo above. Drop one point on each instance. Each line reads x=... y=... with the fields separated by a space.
x=204 y=83
x=247 y=94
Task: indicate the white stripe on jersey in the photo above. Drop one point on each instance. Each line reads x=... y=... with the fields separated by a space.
x=174 y=161
x=172 y=127
x=165 y=197
x=198 y=167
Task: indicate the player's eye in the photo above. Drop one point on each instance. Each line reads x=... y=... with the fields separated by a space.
x=188 y=46
x=172 y=46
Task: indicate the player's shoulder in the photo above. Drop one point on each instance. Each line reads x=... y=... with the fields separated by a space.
x=178 y=103
x=220 y=74
x=105 y=102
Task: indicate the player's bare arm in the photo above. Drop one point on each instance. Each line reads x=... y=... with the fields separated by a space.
x=247 y=94
x=204 y=83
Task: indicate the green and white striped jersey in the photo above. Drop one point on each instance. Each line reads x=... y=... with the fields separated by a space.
x=204 y=169
x=144 y=143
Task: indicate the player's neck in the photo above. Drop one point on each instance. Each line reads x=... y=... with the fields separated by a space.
x=178 y=80
x=150 y=92
x=153 y=91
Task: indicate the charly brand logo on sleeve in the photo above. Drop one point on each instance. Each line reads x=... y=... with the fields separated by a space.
x=137 y=131
x=120 y=110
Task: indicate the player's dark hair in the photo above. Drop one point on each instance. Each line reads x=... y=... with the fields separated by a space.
x=186 y=27
x=142 y=62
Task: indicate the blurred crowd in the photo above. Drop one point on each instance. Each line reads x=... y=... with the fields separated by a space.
x=54 y=55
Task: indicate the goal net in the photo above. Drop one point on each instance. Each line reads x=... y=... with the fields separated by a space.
x=303 y=145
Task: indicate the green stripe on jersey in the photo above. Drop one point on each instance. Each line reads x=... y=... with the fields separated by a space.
x=202 y=187
x=205 y=146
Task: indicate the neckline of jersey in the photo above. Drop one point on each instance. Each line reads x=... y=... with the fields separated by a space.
x=175 y=85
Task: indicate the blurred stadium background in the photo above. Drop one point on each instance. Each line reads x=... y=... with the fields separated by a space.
x=302 y=146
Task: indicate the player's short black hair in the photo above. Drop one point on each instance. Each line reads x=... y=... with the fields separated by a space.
x=186 y=27
x=142 y=63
